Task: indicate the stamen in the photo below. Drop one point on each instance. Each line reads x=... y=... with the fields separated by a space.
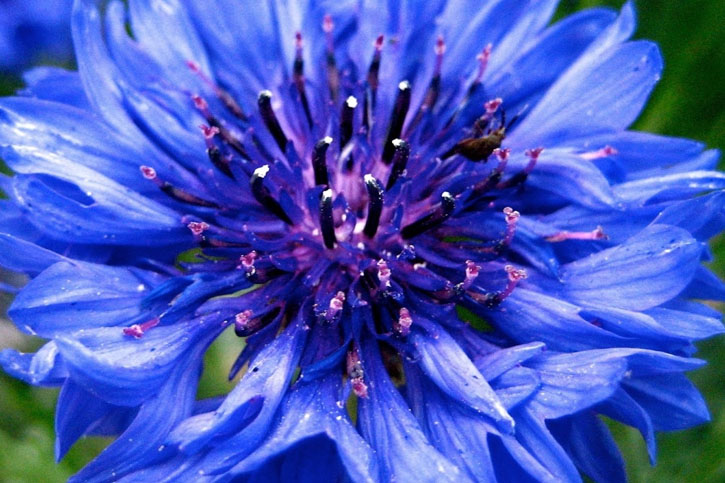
x=223 y=95
x=596 y=234
x=263 y=196
x=264 y=101
x=605 y=152
x=333 y=76
x=337 y=303
x=515 y=276
x=397 y=119
x=434 y=88
x=493 y=179
x=346 y=127
x=356 y=374
x=229 y=138
x=435 y=218
x=375 y=205
x=491 y=107
x=198 y=227
x=327 y=224
x=384 y=274
x=512 y=217
x=242 y=323
x=137 y=330
x=299 y=77
x=472 y=271
x=483 y=59
x=371 y=92
x=521 y=176
x=215 y=155
x=247 y=262
x=400 y=161
x=319 y=161
x=176 y=193
x=402 y=325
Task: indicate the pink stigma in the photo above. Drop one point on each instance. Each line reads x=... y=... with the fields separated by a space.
x=384 y=273
x=533 y=155
x=209 y=132
x=483 y=58
x=148 y=172
x=137 y=330
x=336 y=305
x=356 y=374
x=605 y=152
x=247 y=261
x=198 y=227
x=402 y=325
x=241 y=320
x=596 y=234
x=379 y=43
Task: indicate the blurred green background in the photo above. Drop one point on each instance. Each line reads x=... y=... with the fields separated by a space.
x=688 y=102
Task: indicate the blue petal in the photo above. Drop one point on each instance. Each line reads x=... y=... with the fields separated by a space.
x=500 y=361
x=165 y=28
x=703 y=216
x=23 y=256
x=461 y=435
x=386 y=422
x=265 y=382
x=533 y=439
x=576 y=381
x=524 y=81
x=75 y=415
x=95 y=210
x=142 y=443
x=649 y=269
x=605 y=94
x=590 y=444
x=97 y=71
x=669 y=186
x=528 y=316
x=123 y=370
x=442 y=359
x=571 y=178
x=43 y=368
x=74 y=295
x=671 y=401
x=515 y=386
x=55 y=84
x=622 y=407
x=312 y=418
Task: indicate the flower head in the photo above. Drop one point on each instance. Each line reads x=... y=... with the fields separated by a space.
x=445 y=254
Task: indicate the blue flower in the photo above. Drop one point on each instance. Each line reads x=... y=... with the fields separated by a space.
x=34 y=31
x=444 y=253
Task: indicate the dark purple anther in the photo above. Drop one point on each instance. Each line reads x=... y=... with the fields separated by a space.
x=371 y=93
x=375 y=205
x=263 y=196
x=215 y=155
x=264 y=101
x=432 y=219
x=400 y=161
x=319 y=161
x=327 y=223
x=333 y=75
x=346 y=127
x=397 y=119
x=298 y=73
x=174 y=192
